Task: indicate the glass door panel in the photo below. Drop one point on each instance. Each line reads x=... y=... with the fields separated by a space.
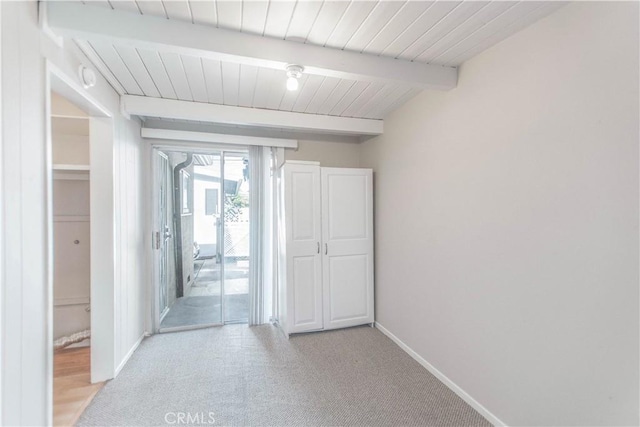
x=197 y=208
x=206 y=291
x=235 y=237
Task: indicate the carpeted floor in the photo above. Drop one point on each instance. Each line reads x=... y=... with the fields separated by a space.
x=255 y=376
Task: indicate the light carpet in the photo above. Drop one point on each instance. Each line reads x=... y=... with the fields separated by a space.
x=255 y=376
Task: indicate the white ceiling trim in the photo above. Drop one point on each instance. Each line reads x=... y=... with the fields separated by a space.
x=219 y=138
x=257 y=117
x=75 y=20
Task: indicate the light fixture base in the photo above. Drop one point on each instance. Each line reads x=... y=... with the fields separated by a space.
x=295 y=71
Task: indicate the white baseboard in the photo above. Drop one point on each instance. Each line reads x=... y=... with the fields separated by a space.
x=128 y=356
x=442 y=377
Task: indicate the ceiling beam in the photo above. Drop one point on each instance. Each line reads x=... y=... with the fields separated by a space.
x=213 y=113
x=218 y=138
x=75 y=20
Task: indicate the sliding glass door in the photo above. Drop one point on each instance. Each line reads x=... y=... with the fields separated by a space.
x=207 y=268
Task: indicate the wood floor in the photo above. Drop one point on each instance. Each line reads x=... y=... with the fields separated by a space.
x=72 y=388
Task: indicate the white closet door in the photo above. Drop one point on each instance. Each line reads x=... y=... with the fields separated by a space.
x=303 y=228
x=347 y=231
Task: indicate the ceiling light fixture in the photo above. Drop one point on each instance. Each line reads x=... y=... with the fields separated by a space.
x=294 y=72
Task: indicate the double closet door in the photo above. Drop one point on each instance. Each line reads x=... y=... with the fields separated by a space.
x=328 y=220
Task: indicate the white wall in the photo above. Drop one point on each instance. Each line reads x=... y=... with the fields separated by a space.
x=329 y=154
x=26 y=282
x=131 y=240
x=25 y=391
x=70 y=136
x=507 y=222
x=205 y=231
x=71 y=260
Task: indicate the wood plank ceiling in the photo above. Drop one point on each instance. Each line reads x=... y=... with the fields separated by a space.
x=436 y=32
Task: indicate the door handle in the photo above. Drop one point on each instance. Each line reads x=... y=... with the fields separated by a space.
x=318 y=247
x=326 y=249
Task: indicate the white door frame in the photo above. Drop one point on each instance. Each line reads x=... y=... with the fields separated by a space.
x=154 y=292
x=160 y=229
x=102 y=230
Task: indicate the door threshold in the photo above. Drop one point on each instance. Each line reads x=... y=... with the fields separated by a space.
x=188 y=327
x=236 y=322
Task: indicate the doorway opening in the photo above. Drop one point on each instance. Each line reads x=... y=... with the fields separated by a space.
x=202 y=211
x=71 y=224
x=80 y=337
x=72 y=388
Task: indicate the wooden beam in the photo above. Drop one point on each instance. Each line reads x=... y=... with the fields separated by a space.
x=213 y=113
x=75 y=20
x=220 y=138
